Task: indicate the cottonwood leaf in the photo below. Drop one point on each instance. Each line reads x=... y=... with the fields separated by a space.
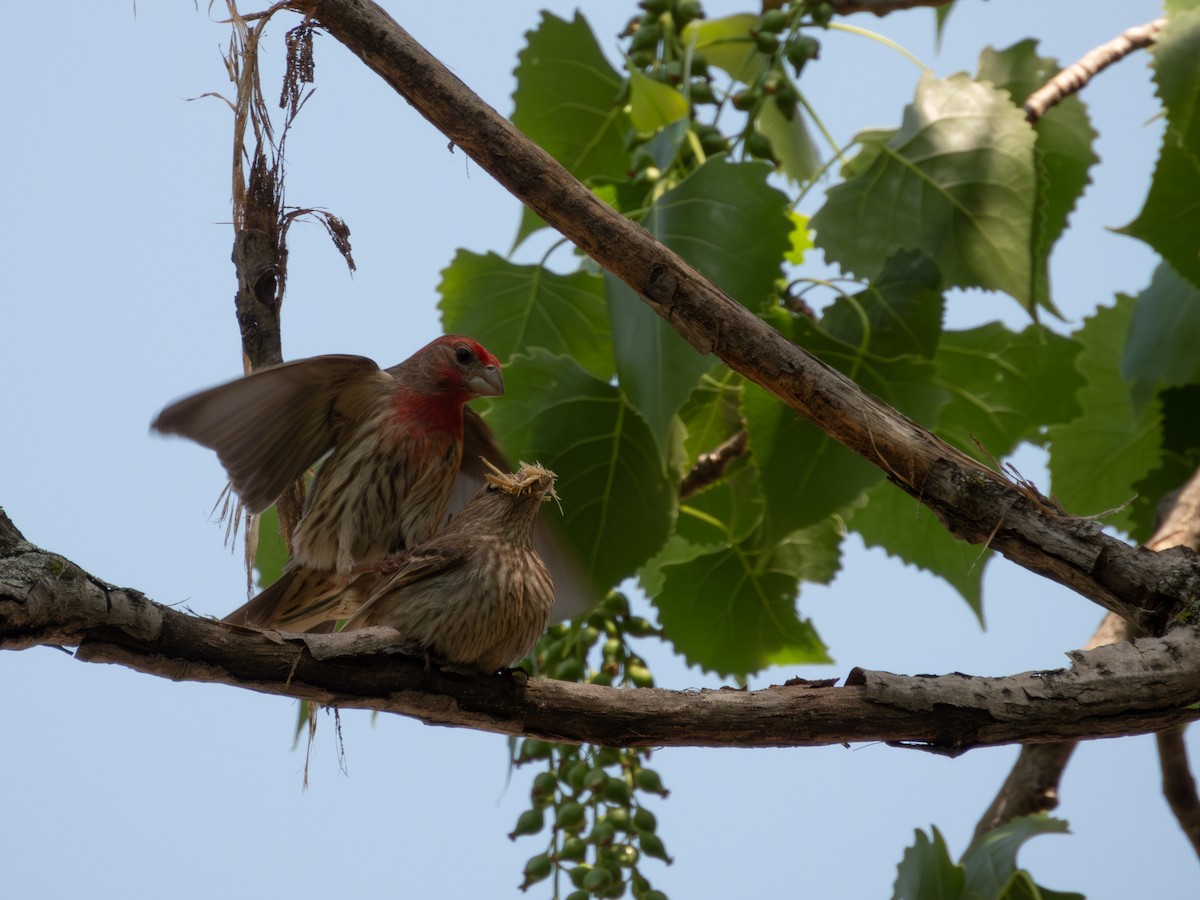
x=956 y=181
x=510 y=308
x=1098 y=457
x=618 y=498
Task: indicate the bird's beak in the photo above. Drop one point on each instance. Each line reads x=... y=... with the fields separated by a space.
x=488 y=382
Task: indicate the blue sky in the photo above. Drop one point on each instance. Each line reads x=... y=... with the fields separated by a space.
x=117 y=298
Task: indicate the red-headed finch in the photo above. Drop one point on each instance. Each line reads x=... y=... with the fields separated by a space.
x=477 y=596
x=395 y=444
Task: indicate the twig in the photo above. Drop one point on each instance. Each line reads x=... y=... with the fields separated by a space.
x=712 y=465
x=881 y=7
x=1178 y=785
x=1075 y=76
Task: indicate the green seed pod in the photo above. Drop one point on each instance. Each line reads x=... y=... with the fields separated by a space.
x=576 y=773
x=602 y=678
x=570 y=817
x=545 y=784
x=822 y=14
x=529 y=822
x=573 y=849
x=645 y=38
x=652 y=845
x=597 y=879
x=644 y=820
x=619 y=816
x=639 y=675
x=607 y=756
x=603 y=833
x=759 y=147
x=673 y=72
x=612 y=648
x=615 y=604
x=701 y=92
x=533 y=749
x=641 y=59
x=655 y=7
x=616 y=790
x=537 y=869
x=636 y=626
x=626 y=856
x=745 y=100
x=649 y=781
x=569 y=669
x=596 y=780
x=686 y=10
x=578 y=873
x=582 y=895
x=766 y=43
x=773 y=21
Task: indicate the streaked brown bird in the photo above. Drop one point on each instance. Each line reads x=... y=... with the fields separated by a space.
x=396 y=437
x=477 y=596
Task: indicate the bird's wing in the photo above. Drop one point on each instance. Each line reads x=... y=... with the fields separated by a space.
x=425 y=562
x=269 y=427
x=575 y=591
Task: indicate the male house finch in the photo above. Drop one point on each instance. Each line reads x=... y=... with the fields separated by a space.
x=396 y=437
x=476 y=596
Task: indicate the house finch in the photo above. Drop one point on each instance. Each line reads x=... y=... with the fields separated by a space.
x=396 y=437
x=476 y=596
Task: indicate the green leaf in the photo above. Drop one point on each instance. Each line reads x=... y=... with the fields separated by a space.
x=790 y=141
x=726 y=44
x=713 y=413
x=510 y=308
x=271 y=553
x=1005 y=386
x=956 y=182
x=652 y=104
x=806 y=475
x=1170 y=219
x=878 y=337
x=1098 y=457
x=927 y=873
x=801 y=239
x=898 y=314
x=1176 y=63
x=905 y=528
x=733 y=227
x=991 y=862
x=734 y=612
x=1180 y=458
x=725 y=513
x=1164 y=336
x=618 y=499
x=941 y=14
x=566 y=101
x=1063 y=150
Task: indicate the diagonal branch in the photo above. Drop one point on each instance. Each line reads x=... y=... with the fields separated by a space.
x=973 y=502
x=1124 y=689
x=1075 y=77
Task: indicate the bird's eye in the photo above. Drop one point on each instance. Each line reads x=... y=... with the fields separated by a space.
x=463 y=354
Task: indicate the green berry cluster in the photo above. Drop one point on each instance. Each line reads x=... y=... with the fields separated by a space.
x=592 y=799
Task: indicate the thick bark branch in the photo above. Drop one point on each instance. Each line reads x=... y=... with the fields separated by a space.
x=1124 y=689
x=973 y=502
x=1178 y=785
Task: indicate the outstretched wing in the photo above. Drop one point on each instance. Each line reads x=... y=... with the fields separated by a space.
x=269 y=427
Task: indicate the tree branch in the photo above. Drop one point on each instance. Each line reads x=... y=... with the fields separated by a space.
x=881 y=7
x=1032 y=785
x=973 y=502
x=1075 y=77
x=1123 y=689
